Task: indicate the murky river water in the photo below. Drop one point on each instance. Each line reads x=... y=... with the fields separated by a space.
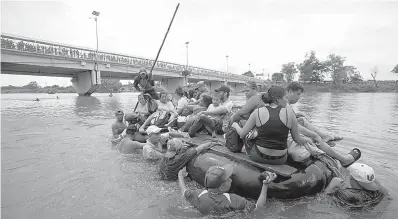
x=57 y=161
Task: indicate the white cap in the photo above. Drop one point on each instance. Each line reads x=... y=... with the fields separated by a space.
x=364 y=175
x=153 y=129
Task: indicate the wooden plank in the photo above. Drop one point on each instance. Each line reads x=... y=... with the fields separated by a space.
x=283 y=170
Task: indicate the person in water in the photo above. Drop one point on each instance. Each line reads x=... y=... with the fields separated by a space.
x=128 y=144
x=362 y=190
x=146 y=83
x=152 y=150
x=118 y=127
x=273 y=123
x=177 y=157
x=215 y=199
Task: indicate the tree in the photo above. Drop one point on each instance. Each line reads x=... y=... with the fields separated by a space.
x=335 y=66
x=110 y=85
x=289 y=70
x=277 y=77
x=356 y=77
x=248 y=74
x=395 y=70
x=373 y=73
x=311 y=69
x=32 y=85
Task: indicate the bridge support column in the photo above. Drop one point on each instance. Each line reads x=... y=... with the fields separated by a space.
x=170 y=85
x=85 y=83
x=236 y=87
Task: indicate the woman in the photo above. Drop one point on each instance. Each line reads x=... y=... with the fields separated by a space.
x=273 y=124
x=181 y=105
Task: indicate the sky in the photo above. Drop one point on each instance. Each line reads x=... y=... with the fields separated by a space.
x=265 y=34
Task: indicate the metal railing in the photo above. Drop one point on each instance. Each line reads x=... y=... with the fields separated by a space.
x=27 y=45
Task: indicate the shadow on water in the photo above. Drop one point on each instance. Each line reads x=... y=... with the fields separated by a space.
x=86 y=106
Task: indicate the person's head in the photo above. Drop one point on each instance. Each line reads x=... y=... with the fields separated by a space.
x=141 y=99
x=363 y=176
x=180 y=91
x=216 y=99
x=200 y=86
x=275 y=95
x=206 y=100
x=224 y=91
x=164 y=97
x=250 y=89
x=119 y=115
x=173 y=147
x=131 y=129
x=294 y=91
x=142 y=72
x=191 y=94
x=153 y=134
x=217 y=177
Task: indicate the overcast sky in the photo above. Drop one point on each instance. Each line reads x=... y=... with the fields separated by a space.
x=264 y=33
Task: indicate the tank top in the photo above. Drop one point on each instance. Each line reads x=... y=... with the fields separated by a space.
x=273 y=134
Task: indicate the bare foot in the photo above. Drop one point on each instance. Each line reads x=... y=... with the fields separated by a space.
x=214 y=135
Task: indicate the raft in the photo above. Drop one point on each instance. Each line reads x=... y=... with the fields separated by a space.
x=293 y=181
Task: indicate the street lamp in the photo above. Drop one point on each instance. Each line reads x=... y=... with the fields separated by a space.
x=96 y=14
x=186 y=72
x=187 y=43
x=227 y=68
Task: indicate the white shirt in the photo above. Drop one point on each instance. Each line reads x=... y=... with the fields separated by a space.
x=182 y=103
x=168 y=107
x=228 y=105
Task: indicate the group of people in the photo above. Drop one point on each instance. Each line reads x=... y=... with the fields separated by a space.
x=266 y=127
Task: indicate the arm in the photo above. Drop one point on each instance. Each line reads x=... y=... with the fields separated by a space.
x=181 y=182
x=203 y=147
x=250 y=124
x=250 y=105
x=216 y=111
x=263 y=195
x=294 y=129
x=136 y=81
x=147 y=121
x=303 y=130
x=334 y=183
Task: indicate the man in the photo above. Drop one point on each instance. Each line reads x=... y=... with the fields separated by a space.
x=215 y=198
x=146 y=83
x=177 y=157
x=253 y=102
x=363 y=190
x=295 y=90
x=205 y=117
x=118 y=128
x=199 y=89
x=128 y=145
x=151 y=149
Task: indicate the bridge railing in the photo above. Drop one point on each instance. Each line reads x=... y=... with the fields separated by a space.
x=27 y=45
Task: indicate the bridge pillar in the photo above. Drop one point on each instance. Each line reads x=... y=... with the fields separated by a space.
x=170 y=84
x=85 y=83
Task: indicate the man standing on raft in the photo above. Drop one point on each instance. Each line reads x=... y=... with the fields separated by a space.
x=146 y=83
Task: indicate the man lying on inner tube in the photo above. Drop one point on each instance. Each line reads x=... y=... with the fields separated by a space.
x=362 y=191
x=215 y=200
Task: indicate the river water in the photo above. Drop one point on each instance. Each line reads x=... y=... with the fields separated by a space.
x=57 y=162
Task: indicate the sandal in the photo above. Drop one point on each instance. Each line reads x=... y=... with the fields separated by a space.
x=356 y=154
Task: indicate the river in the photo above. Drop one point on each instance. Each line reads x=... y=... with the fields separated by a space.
x=57 y=161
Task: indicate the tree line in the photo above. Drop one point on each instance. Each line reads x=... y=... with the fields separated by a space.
x=314 y=70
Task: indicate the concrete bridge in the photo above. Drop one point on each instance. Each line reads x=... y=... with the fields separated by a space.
x=26 y=56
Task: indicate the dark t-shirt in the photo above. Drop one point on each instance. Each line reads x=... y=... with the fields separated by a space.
x=358 y=198
x=211 y=203
x=169 y=167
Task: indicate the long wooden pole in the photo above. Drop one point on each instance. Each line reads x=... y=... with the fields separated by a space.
x=160 y=49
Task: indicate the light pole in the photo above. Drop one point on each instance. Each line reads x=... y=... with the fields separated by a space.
x=96 y=14
x=187 y=43
x=249 y=66
x=96 y=71
x=227 y=68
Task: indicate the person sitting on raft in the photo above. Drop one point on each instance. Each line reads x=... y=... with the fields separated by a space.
x=305 y=127
x=128 y=144
x=199 y=89
x=162 y=116
x=182 y=104
x=203 y=105
x=141 y=112
x=215 y=199
x=362 y=190
x=145 y=81
x=205 y=117
x=177 y=156
x=118 y=128
x=273 y=124
x=253 y=101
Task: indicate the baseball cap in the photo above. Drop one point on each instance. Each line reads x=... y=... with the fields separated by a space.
x=364 y=175
x=216 y=175
x=224 y=88
x=153 y=129
x=200 y=84
x=173 y=146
